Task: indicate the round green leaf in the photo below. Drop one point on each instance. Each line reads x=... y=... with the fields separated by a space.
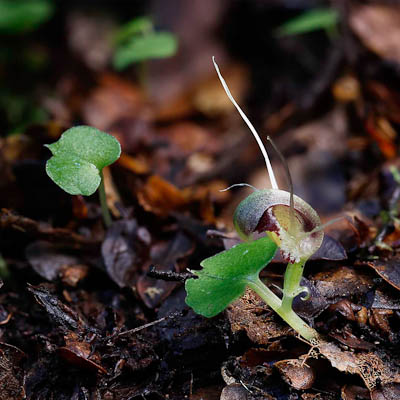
x=224 y=276
x=146 y=47
x=79 y=157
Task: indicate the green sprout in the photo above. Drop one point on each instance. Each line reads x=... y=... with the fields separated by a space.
x=318 y=18
x=19 y=16
x=138 y=42
x=290 y=224
x=79 y=157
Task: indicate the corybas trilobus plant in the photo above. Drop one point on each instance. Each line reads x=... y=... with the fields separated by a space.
x=290 y=224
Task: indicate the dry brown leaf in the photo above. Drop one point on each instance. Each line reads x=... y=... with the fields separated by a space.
x=249 y=313
x=296 y=373
x=383 y=133
x=113 y=99
x=369 y=366
x=378 y=27
x=135 y=164
x=161 y=197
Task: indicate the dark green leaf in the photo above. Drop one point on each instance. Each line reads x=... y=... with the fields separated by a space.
x=78 y=158
x=23 y=15
x=142 y=48
x=224 y=276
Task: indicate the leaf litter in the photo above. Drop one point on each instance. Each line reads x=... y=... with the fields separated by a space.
x=93 y=313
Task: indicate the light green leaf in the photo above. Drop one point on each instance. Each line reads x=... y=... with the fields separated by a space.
x=146 y=47
x=23 y=15
x=224 y=276
x=309 y=21
x=79 y=157
x=137 y=26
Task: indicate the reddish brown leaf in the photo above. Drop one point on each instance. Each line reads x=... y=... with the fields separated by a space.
x=161 y=197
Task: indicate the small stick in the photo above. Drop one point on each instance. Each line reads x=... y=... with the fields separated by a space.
x=170 y=276
x=139 y=328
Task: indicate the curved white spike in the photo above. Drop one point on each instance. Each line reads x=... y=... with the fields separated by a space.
x=250 y=125
x=238 y=185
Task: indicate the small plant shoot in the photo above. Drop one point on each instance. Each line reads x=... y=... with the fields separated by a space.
x=318 y=18
x=290 y=224
x=138 y=42
x=79 y=157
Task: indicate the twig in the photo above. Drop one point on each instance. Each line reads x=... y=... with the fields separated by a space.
x=139 y=328
x=170 y=276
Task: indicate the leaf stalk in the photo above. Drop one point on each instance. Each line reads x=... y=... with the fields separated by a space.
x=103 y=203
x=288 y=315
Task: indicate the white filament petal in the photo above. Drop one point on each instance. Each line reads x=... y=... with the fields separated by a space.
x=250 y=125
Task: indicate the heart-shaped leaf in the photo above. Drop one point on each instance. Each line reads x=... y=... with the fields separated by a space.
x=224 y=276
x=79 y=157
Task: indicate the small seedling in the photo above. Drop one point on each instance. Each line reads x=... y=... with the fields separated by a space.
x=290 y=224
x=79 y=157
x=138 y=42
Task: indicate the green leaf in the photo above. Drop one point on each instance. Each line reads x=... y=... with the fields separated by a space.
x=318 y=18
x=224 y=276
x=23 y=15
x=142 y=48
x=79 y=157
x=137 y=26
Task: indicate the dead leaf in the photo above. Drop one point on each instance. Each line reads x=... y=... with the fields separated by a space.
x=342 y=282
x=166 y=256
x=383 y=133
x=137 y=164
x=387 y=392
x=121 y=251
x=372 y=369
x=112 y=100
x=48 y=259
x=330 y=250
x=352 y=392
x=296 y=373
x=74 y=274
x=388 y=269
x=161 y=197
x=250 y=313
x=11 y=374
x=79 y=353
x=378 y=27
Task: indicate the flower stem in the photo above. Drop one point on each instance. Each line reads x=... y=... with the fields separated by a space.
x=103 y=203
x=288 y=315
x=291 y=284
